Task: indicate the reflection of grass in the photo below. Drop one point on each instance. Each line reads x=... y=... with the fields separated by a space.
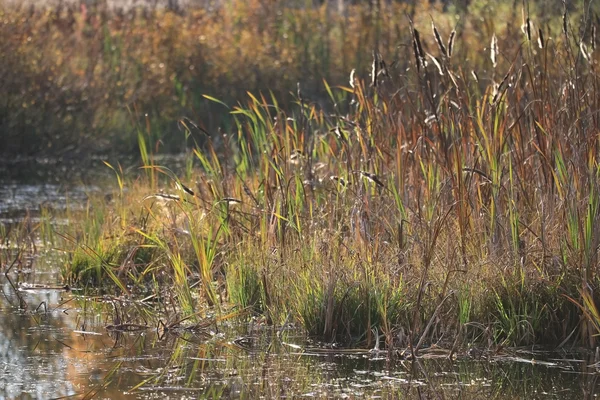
x=430 y=201
x=215 y=368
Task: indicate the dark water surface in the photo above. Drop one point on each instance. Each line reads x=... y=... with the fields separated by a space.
x=57 y=344
x=53 y=344
x=29 y=186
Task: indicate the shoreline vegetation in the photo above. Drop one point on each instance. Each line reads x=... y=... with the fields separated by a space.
x=444 y=192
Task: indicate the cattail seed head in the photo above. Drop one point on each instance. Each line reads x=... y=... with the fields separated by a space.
x=451 y=43
x=540 y=38
x=418 y=49
x=438 y=40
x=416 y=53
x=417 y=38
x=374 y=69
x=494 y=51
x=299 y=92
x=584 y=52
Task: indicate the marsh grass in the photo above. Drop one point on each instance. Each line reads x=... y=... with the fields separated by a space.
x=449 y=201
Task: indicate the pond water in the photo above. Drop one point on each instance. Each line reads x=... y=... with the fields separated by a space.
x=55 y=343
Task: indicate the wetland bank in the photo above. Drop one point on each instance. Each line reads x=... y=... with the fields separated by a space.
x=394 y=200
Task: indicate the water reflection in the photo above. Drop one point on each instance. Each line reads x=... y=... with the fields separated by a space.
x=31 y=365
x=29 y=185
x=18 y=201
x=45 y=354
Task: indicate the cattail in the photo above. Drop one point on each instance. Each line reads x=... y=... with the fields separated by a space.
x=374 y=69
x=565 y=24
x=526 y=27
x=451 y=43
x=341 y=181
x=494 y=51
x=438 y=39
x=540 y=38
x=299 y=92
x=584 y=52
x=371 y=177
x=418 y=42
x=186 y=189
x=593 y=38
x=418 y=50
x=231 y=201
x=163 y=196
x=495 y=92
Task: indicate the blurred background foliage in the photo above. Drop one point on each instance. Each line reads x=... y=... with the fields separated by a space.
x=86 y=77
